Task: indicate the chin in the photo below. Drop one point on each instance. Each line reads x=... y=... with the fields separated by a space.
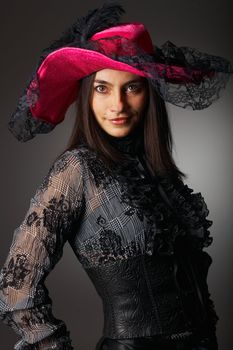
x=118 y=133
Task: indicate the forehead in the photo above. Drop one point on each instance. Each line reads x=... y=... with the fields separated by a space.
x=113 y=76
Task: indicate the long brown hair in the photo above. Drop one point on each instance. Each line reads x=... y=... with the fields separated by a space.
x=158 y=141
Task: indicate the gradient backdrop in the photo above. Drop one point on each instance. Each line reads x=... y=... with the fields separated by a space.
x=203 y=145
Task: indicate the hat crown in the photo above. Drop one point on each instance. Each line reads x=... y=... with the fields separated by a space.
x=134 y=34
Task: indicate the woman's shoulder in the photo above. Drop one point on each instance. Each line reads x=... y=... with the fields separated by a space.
x=66 y=169
x=74 y=162
x=71 y=159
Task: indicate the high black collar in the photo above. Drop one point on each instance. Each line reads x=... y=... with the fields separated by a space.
x=132 y=144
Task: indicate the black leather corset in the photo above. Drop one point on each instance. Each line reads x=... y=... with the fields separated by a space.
x=141 y=298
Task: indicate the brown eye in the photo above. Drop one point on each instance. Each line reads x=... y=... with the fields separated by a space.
x=134 y=88
x=100 y=88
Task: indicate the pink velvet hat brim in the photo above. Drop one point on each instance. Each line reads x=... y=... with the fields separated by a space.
x=58 y=77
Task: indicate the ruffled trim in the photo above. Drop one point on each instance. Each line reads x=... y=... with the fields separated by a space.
x=59 y=340
x=23 y=125
x=191 y=209
x=185 y=224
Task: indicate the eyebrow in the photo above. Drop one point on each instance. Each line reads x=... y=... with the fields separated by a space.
x=137 y=80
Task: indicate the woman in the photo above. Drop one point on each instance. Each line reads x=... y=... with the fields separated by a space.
x=115 y=194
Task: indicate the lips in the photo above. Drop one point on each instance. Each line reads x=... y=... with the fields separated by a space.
x=119 y=119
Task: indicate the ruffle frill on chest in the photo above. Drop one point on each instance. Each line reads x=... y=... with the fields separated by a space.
x=186 y=224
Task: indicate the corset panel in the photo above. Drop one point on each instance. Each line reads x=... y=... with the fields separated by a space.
x=140 y=297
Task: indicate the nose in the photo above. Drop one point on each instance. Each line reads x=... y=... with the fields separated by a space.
x=117 y=102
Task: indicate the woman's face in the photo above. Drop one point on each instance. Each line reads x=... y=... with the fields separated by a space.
x=118 y=100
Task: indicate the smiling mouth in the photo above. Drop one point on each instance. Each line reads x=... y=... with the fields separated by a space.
x=119 y=118
x=119 y=121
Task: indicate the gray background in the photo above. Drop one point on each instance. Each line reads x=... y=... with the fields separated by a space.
x=203 y=145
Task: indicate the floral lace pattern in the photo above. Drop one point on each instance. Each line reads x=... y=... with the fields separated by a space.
x=15 y=272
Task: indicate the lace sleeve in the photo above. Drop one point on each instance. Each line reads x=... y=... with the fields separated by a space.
x=36 y=247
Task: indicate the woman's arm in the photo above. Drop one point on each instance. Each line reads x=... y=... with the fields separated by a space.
x=36 y=247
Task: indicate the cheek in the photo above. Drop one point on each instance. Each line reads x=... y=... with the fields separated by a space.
x=140 y=102
x=95 y=106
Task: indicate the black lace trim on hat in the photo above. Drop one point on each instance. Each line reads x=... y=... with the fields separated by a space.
x=204 y=77
x=23 y=125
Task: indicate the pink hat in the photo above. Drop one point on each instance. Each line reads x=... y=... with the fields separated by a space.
x=182 y=76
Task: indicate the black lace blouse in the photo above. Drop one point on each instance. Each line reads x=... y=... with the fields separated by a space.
x=107 y=218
